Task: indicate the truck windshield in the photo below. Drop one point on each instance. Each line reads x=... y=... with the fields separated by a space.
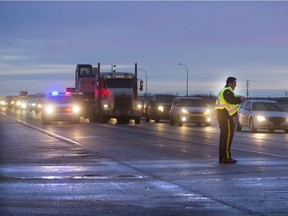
x=119 y=83
x=86 y=72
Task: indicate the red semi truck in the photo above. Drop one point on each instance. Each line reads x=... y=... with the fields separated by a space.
x=105 y=95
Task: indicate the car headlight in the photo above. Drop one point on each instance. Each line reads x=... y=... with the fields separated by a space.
x=76 y=109
x=139 y=106
x=23 y=105
x=49 y=109
x=161 y=108
x=260 y=118
x=185 y=112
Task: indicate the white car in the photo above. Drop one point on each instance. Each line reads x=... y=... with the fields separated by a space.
x=262 y=114
x=60 y=107
x=190 y=110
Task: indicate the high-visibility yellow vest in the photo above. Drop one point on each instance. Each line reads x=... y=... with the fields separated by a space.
x=221 y=103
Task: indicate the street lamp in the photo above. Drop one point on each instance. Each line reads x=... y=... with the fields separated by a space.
x=146 y=78
x=112 y=68
x=186 y=78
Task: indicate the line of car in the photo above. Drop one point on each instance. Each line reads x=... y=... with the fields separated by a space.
x=178 y=110
x=254 y=114
x=55 y=106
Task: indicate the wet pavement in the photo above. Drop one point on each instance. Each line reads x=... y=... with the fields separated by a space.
x=42 y=173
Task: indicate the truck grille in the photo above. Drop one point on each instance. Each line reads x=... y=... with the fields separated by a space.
x=123 y=102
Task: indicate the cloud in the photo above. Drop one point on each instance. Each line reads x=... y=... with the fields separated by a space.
x=4 y=58
x=53 y=70
x=44 y=41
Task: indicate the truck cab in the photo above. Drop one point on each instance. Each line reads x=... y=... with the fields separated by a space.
x=83 y=92
x=116 y=94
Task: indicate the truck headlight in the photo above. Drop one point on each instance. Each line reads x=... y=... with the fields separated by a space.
x=185 y=112
x=260 y=118
x=207 y=112
x=184 y=119
x=161 y=108
x=106 y=106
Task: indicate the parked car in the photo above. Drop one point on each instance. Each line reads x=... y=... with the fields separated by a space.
x=262 y=114
x=158 y=107
x=60 y=107
x=190 y=110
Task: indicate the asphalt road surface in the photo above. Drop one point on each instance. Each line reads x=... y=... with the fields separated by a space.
x=146 y=169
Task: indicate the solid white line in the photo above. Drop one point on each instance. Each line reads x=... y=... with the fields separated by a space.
x=49 y=133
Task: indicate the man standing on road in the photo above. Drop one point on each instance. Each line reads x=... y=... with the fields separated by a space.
x=227 y=106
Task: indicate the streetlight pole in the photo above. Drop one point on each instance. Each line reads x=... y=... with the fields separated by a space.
x=146 y=78
x=186 y=78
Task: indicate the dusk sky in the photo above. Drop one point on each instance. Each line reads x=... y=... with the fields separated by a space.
x=42 y=42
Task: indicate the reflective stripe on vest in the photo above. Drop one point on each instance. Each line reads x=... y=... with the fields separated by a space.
x=222 y=104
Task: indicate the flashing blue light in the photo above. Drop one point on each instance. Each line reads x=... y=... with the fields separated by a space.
x=54 y=93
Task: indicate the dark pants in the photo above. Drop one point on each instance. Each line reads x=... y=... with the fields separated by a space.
x=226 y=124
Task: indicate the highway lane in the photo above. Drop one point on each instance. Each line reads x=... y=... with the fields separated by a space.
x=183 y=160
x=162 y=137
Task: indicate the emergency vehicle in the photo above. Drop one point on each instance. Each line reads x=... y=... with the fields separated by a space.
x=60 y=106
